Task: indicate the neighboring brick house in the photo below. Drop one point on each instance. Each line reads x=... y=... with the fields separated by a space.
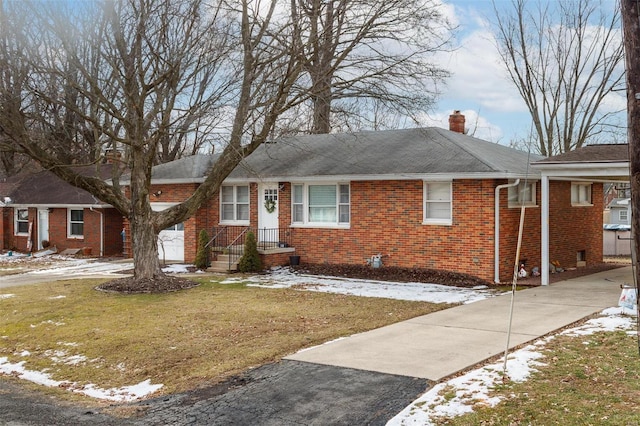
x=428 y=198
x=40 y=209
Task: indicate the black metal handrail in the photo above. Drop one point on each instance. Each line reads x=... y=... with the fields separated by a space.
x=269 y=238
x=236 y=247
x=231 y=240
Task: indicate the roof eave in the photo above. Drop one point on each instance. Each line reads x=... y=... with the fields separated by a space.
x=387 y=177
x=58 y=206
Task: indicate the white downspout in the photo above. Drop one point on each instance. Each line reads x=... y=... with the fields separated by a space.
x=496 y=243
x=101 y=230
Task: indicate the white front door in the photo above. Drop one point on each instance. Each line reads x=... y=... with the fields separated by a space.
x=43 y=227
x=268 y=218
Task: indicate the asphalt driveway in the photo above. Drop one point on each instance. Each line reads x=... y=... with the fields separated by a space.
x=286 y=393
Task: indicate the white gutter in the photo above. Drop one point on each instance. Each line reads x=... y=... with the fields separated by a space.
x=101 y=230
x=496 y=243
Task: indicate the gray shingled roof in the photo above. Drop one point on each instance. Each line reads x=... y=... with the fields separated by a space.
x=389 y=153
x=604 y=153
x=45 y=188
x=186 y=169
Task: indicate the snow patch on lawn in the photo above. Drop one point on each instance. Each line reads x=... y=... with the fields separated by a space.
x=48 y=322
x=282 y=277
x=62 y=357
x=176 y=269
x=83 y=267
x=122 y=394
x=461 y=394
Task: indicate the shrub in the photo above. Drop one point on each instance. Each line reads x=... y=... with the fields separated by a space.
x=202 y=253
x=250 y=260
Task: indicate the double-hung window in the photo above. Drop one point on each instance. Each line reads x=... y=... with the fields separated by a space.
x=21 y=222
x=581 y=194
x=75 y=226
x=623 y=216
x=234 y=203
x=522 y=194
x=326 y=204
x=437 y=203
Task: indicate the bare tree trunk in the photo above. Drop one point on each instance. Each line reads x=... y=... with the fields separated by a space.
x=145 y=247
x=144 y=236
x=322 y=110
x=631 y=33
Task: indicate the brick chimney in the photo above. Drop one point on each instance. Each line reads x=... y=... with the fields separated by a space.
x=112 y=155
x=456 y=122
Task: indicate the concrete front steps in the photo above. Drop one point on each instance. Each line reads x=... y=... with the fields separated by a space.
x=221 y=264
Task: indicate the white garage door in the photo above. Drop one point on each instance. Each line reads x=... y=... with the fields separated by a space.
x=171 y=240
x=171 y=243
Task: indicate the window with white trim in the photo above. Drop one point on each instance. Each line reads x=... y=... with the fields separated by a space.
x=176 y=227
x=325 y=204
x=21 y=222
x=623 y=216
x=437 y=203
x=581 y=194
x=524 y=193
x=234 y=203
x=75 y=226
x=297 y=204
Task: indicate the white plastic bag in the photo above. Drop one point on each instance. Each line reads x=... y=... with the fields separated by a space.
x=628 y=298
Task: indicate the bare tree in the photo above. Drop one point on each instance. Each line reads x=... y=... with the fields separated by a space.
x=368 y=52
x=564 y=58
x=132 y=74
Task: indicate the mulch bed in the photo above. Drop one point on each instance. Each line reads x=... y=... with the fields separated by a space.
x=435 y=276
x=161 y=284
x=392 y=273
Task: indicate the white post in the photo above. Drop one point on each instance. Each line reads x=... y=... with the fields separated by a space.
x=544 y=267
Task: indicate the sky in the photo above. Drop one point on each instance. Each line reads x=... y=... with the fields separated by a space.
x=479 y=85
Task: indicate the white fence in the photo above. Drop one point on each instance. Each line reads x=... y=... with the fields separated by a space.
x=616 y=243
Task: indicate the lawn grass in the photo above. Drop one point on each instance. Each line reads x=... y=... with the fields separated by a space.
x=588 y=380
x=181 y=340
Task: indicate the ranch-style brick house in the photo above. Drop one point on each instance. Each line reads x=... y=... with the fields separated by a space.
x=40 y=210
x=426 y=198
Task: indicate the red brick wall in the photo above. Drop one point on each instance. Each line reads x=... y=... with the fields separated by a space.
x=572 y=229
x=386 y=218
x=530 y=252
x=276 y=259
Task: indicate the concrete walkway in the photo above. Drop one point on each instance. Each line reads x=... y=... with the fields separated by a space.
x=440 y=344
